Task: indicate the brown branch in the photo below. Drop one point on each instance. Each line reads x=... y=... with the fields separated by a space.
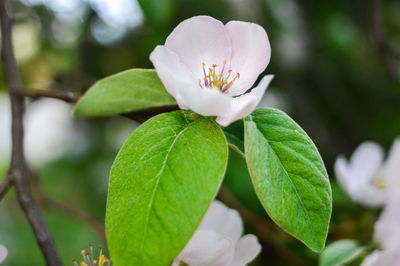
x=387 y=52
x=5 y=186
x=55 y=205
x=18 y=171
x=260 y=227
x=65 y=96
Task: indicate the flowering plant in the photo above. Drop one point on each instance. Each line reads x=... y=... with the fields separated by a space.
x=170 y=169
x=371 y=181
x=212 y=78
x=366 y=177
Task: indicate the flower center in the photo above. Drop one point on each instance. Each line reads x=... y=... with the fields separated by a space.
x=380 y=182
x=221 y=81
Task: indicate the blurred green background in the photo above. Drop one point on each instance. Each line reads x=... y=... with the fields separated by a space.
x=337 y=73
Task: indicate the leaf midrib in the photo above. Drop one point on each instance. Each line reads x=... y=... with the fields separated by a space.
x=158 y=177
x=291 y=182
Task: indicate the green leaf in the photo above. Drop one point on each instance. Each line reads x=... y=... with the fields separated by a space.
x=235 y=136
x=288 y=175
x=238 y=181
x=128 y=91
x=340 y=252
x=161 y=184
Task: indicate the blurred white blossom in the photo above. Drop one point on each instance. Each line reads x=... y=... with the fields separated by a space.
x=382 y=258
x=3 y=253
x=49 y=130
x=387 y=228
x=218 y=241
x=367 y=177
x=373 y=181
x=387 y=234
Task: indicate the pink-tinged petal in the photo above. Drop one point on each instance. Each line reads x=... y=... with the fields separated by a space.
x=360 y=188
x=369 y=195
x=3 y=253
x=391 y=168
x=200 y=39
x=387 y=228
x=383 y=258
x=181 y=102
x=365 y=161
x=206 y=248
x=242 y=106
x=205 y=101
x=173 y=74
x=342 y=172
x=251 y=53
x=225 y=221
x=246 y=250
x=357 y=176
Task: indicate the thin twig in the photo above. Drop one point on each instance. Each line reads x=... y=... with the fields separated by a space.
x=65 y=96
x=5 y=186
x=18 y=171
x=386 y=51
x=55 y=205
x=260 y=227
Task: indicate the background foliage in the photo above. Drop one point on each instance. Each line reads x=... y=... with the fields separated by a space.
x=333 y=75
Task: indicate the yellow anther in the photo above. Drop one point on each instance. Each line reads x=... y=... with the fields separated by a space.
x=221 y=81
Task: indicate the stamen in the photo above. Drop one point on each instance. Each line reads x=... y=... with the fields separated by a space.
x=222 y=71
x=101 y=250
x=91 y=250
x=101 y=260
x=229 y=73
x=90 y=260
x=228 y=87
x=74 y=261
x=85 y=257
x=217 y=81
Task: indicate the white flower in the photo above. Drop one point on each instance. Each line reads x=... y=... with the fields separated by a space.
x=383 y=258
x=387 y=228
x=48 y=130
x=208 y=66
x=218 y=241
x=367 y=178
x=387 y=234
x=3 y=253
